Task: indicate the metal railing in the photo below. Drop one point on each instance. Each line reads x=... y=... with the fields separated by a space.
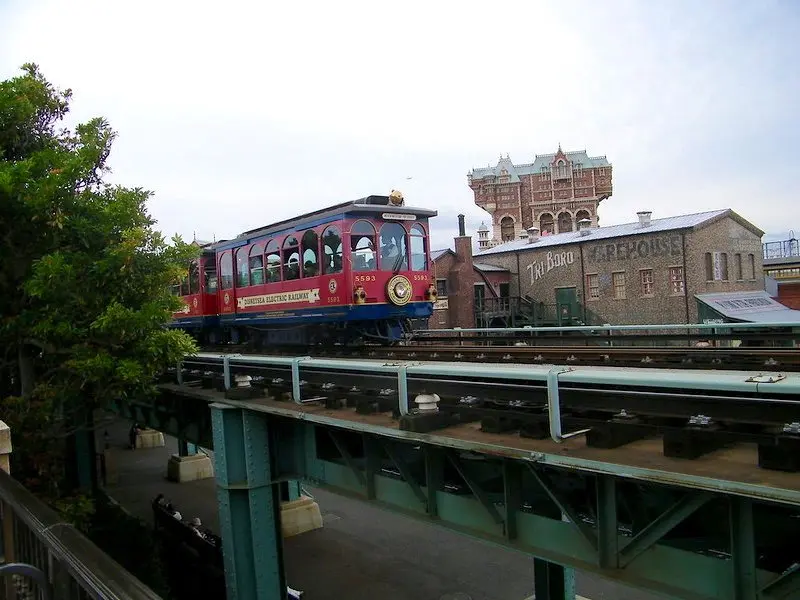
x=516 y=311
x=782 y=249
x=73 y=568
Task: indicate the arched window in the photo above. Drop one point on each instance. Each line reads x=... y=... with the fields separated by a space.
x=242 y=275
x=394 y=253
x=291 y=259
x=273 y=261
x=256 y=265
x=362 y=246
x=506 y=229
x=331 y=251
x=419 y=258
x=546 y=225
x=581 y=215
x=310 y=250
x=194 y=277
x=564 y=222
x=226 y=270
x=210 y=274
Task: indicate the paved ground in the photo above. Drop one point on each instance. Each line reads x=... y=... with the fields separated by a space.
x=361 y=553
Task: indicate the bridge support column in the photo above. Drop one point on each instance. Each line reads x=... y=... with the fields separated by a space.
x=186 y=448
x=552 y=581
x=249 y=505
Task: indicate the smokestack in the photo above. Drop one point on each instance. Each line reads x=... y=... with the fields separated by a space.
x=462 y=230
x=644 y=217
x=583 y=226
x=533 y=235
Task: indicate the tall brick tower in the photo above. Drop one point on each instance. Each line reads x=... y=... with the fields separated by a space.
x=552 y=193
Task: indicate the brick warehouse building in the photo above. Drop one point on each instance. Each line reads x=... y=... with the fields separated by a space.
x=671 y=270
x=552 y=193
x=461 y=283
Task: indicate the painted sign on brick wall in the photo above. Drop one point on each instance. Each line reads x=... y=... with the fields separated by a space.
x=653 y=247
x=553 y=260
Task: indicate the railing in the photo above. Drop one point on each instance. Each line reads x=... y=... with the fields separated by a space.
x=521 y=311
x=71 y=566
x=783 y=249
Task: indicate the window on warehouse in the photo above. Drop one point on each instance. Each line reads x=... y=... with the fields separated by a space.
x=394 y=254
x=331 y=251
x=256 y=265
x=273 y=252
x=419 y=258
x=242 y=275
x=310 y=250
x=291 y=259
x=362 y=246
x=226 y=271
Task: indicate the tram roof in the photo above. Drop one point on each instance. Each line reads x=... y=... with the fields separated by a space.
x=369 y=205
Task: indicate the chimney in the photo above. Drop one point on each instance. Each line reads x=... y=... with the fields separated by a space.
x=462 y=230
x=533 y=235
x=644 y=217
x=583 y=226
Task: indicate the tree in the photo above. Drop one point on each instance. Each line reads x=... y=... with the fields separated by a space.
x=84 y=277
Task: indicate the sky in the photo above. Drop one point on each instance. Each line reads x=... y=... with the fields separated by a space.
x=240 y=114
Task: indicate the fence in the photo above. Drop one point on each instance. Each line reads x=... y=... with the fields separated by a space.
x=45 y=558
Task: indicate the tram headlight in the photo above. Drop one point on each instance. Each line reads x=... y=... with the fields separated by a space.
x=430 y=293
x=359 y=295
x=399 y=290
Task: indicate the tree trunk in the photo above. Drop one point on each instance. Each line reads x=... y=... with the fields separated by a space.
x=27 y=374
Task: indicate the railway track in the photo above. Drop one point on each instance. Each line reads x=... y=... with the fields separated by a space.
x=693 y=412
x=773 y=359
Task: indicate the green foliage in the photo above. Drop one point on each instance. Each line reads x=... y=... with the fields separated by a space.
x=84 y=278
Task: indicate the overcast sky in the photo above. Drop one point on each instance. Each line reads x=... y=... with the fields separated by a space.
x=239 y=114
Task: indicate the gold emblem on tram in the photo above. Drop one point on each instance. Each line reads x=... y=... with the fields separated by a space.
x=399 y=290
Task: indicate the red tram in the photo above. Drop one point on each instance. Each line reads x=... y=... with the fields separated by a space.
x=359 y=270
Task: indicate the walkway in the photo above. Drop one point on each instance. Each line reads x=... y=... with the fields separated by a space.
x=361 y=553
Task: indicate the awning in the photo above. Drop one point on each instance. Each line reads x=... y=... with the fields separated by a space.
x=749 y=307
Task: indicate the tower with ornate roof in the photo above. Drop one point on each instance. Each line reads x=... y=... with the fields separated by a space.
x=552 y=193
x=483 y=237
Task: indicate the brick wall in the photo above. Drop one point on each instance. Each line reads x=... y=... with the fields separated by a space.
x=641 y=266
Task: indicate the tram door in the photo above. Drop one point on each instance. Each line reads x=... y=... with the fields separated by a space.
x=566 y=304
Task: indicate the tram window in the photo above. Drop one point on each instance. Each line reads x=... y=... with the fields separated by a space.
x=194 y=278
x=242 y=276
x=256 y=265
x=210 y=274
x=419 y=259
x=331 y=251
x=273 y=261
x=394 y=254
x=291 y=259
x=362 y=246
x=310 y=250
x=185 y=286
x=226 y=270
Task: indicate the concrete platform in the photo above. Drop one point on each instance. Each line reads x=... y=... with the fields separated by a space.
x=149 y=438
x=361 y=552
x=299 y=516
x=189 y=468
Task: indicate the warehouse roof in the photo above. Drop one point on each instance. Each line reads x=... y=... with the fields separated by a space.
x=616 y=231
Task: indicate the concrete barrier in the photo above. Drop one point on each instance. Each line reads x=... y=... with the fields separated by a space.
x=189 y=468
x=149 y=438
x=299 y=516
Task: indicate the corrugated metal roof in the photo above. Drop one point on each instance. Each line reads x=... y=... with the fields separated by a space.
x=755 y=307
x=604 y=233
x=579 y=157
x=488 y=268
